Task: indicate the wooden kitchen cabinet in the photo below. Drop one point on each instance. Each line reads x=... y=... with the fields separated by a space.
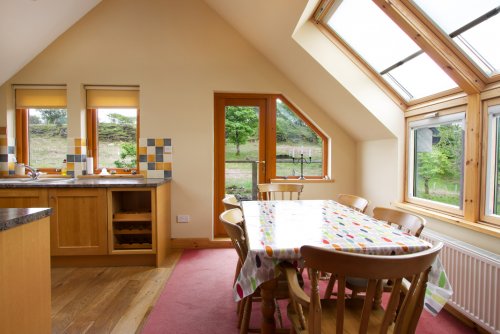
x=79 y=221
x=23 y=198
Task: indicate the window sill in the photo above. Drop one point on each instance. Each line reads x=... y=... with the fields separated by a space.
x=476 y=226
x=302 y=181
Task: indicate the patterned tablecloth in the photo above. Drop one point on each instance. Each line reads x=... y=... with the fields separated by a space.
x=277 y=229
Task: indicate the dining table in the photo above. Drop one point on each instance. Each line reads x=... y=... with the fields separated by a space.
x=276 y=230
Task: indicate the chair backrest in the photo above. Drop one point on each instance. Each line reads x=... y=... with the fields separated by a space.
x=371 y=268
x=279 y=191
x=407 y=222
x=354 y=202
x=231 y=220
x=231 y=202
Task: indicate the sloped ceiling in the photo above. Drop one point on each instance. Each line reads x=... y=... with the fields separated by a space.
x=269 y=26
x=29 y=26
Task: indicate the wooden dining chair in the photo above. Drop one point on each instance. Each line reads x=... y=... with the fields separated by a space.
x=404 y=221
x=231 y=220
x=279 y=191
x=230 y=202
x=310 y=314
x=354 y=202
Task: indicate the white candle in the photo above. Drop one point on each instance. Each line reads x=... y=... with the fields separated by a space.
x=309 y=153
x=302 y=150
x=293 y=152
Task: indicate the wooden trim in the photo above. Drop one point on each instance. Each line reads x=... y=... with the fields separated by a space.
x=437 y=104
x=301 y=181
x=191 y=243
x=491 y=91
x=472 y=157
x=445 y=217
x=431 y=43
x=485 y=159
x=22 y=139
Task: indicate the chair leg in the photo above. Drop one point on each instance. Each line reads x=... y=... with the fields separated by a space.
x=241 y=309
x=278 y=313
x=329 y=287
x=247 y=312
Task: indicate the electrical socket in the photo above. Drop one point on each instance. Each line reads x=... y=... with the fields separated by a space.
x=183 y=218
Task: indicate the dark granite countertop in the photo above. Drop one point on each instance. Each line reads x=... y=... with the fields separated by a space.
x=10 y=218
x=81 y=183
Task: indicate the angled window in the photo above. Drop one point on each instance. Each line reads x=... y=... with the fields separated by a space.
x=41 y=127
x=112 y=123
x=491 y=202
x=436 y=161
x=300 y=146
x=472 y=25
x=386 y=49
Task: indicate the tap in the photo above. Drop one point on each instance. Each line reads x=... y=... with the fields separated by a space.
x=33 y=173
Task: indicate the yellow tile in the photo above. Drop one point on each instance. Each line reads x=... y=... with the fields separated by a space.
x=143 y=150
x=78 y=150
x=144 y=173
x=158 y=142
x=3 y=130
x=12 y=165
x=159 y=166
x=71 y=166
x=4 y=172
x=167 y=166
x=3 y=141
x=151 y=158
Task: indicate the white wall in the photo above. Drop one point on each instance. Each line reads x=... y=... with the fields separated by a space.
x=180 y=53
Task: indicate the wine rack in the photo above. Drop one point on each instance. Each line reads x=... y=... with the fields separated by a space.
x=132 y=221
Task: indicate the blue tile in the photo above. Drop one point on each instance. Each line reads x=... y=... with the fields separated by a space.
x=78 y=158
x=151 y=142
x=159 y=158
x=151 y=166
x=71 y=173
x=11 y=149
x=143 y=158
x=167 y=142
x=167 y=174
x=4 y=157
x=70 y=158
x=159 y=150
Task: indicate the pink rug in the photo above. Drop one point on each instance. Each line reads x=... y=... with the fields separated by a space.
x=198 y=299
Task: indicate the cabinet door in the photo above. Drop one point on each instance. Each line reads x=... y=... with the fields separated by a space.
x=79 y=221
x=23 y=198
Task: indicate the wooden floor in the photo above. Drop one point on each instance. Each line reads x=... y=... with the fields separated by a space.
x=106 y=299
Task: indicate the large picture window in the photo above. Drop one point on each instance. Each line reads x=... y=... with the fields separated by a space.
x=436 y=161
x=41 y=127
x=112 y=128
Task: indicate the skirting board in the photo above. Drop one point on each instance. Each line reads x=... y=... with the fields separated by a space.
x=188 y=243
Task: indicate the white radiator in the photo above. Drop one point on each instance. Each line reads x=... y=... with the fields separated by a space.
x=474 y=275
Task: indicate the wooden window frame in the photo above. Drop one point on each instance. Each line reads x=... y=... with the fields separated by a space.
x=423 y=202
x=93 y=143
x=491 y=219
x=23 y=143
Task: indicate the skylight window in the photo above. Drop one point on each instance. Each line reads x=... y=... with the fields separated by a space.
x=472 y=25
x=387 y=49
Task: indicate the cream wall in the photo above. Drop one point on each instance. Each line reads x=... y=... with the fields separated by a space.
x=180 y=53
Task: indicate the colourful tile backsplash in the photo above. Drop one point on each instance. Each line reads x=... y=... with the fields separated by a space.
x=155 y=156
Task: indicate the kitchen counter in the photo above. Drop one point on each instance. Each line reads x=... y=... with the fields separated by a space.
x=62 y=182
x=13 y=217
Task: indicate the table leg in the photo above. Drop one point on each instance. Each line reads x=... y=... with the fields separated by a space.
x=268 y=325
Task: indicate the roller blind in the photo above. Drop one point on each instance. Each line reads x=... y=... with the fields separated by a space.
x=40 y=98
x=110 y=98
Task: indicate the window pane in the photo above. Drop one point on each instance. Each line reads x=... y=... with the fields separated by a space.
x=438 y=161
x=116 y=130
x=412 y=74
x=384 y=46
x=295 y=140
x=47 y=129
x=492 y=163
x=477 y=41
